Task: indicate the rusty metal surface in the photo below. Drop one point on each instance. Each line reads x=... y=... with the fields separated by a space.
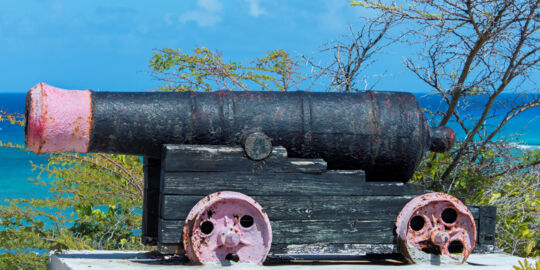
x=442 y=139
x=436 y=223
x=382 y=133
x=227 y=226
x=257 y=145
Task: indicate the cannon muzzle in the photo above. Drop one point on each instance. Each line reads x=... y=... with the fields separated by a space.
x=383 y=133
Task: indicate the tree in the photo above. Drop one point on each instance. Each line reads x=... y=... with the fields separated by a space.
x=469 y=52
x=204 y=70
x=352 y=55
x=472 y=48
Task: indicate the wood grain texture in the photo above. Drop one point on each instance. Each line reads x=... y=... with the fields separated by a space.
x=212 y=158
x=291 y=184
x=311 y=210
x=304 y=207
x=151 y=199
x=486 y=225
x=307 y=231
x=332 y=248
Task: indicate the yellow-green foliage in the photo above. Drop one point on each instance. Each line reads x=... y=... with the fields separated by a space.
x=515 y=193
x=93 y=202
x=518 y=207
x=22 y=260
x=14 y=119
x=526 y=266
x=205 y=70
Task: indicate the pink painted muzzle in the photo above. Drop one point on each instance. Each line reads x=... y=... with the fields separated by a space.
x=57 y=119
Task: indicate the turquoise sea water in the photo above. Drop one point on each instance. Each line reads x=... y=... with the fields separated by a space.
x=15 y=168
x=526 y=124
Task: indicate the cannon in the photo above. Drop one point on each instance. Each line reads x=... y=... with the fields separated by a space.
x=241 y=175
x=383 y=133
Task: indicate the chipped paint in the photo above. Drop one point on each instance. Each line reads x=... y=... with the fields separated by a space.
x=57 y=119
x=302 y=163
x=436 y=223
x=249 y=242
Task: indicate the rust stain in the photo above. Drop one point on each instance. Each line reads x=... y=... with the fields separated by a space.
x=438 y=232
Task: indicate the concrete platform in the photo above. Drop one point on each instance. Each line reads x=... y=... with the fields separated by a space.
x=99 y=259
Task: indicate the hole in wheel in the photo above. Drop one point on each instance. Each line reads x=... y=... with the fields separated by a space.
x=207 y=227
x=417 y=223
x=449 y=215
x=232 y=257
x=246 y=221
x=455 y=247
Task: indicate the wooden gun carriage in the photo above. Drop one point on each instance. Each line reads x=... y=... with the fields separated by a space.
x=243 y=175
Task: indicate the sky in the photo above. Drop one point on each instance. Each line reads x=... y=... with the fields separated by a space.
x=106 y=45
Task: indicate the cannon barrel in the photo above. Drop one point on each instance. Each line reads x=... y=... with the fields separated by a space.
x=383 y=133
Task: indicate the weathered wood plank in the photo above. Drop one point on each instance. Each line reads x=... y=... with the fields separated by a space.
x=304 y=207
x=332 y=249
x=312 y=211
x=293 y=252
x=170 y=231
x=177 y=248
x=486 y=225
x=326 y=251
x=311 y=235
x=212 y=158
x=151 y=210
x=292 y=184
x=334 y=231
x=307 y=231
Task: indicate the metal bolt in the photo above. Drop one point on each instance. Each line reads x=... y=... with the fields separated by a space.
x=440 y=238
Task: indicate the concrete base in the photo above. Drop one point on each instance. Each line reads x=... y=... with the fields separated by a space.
x=100 y=259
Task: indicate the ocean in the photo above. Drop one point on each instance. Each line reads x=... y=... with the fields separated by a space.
x=15 y=166
x=16 y=169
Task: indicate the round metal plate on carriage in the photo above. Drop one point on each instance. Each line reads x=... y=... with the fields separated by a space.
x=257 y=146
x=435 y=224
x=227 y=226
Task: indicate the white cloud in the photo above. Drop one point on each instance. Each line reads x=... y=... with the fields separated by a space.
x=255 y=8
x=207 y=13
x=210 y=5
x=202 y=18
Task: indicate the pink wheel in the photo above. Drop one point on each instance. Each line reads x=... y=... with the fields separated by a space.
x=435 y=223
x=227 y=226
